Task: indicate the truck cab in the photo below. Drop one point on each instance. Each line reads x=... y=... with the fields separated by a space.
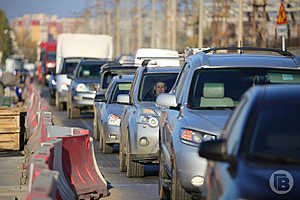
x=48 y=61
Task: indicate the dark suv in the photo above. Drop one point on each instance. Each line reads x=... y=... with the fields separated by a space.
x=85 y=82
x=258 y=154
x=209 y=86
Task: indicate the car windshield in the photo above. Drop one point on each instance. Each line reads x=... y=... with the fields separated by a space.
x=275 y=133
x=91 y=71
x=155 y=83
x=69 y=67
x=107 y=78
x=222 y=88
x=120 y=88
x=51 y=56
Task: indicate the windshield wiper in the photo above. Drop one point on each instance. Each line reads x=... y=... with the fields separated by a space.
x=272 y=158
x=214 y=108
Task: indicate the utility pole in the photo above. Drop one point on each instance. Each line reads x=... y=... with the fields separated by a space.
x=200 y=24
x=153 y=35
x=174 y=8
x=167 y=34
x=118 y=31
x=139 y=25
x=127 y=42
x=254 y=23
x=240 y=27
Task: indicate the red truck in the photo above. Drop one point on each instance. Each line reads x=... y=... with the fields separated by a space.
x=48 y=61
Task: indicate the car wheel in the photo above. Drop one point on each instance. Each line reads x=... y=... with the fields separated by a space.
x=164 y=193
x=134 y=169
x=52 y=101
x=177 y=191
x=106 y=148
x=100 y=142
x=96 y=128
x=59 y=105
x=74 y=112
x=122 y=156
x=1 y=89
x=68 y=109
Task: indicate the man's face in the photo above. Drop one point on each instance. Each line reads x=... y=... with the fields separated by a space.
x=160 y=88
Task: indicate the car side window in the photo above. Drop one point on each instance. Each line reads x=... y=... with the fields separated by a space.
x=133 y=86
x=235 y=127
x=181 y=81
x=178 y=78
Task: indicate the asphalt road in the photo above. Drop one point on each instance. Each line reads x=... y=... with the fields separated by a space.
x=120 y=187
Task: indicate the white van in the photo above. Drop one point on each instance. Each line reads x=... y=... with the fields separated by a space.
x=163 y=57
x=70 y=49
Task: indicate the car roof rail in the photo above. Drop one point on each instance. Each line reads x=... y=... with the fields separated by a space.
x=188 y=51
x=242 y=49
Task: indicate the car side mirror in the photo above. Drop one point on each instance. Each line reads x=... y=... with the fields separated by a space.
x=166 y=100
x=215 y=150
x=123 y=99
x=100 y=98
x=70 y=76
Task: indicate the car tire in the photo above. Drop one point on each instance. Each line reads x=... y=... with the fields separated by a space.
x=52 y=101
x=59 y=105
x=134 y=169
x=100 y=142
x=163 y=192
x=106 y=148
x=74 y=112
x=96 y=128
x=177 y=191
x=68 y=109
x=1 y=89
x=122 y=156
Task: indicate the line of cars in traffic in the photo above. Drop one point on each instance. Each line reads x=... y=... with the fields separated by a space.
x=210 y=137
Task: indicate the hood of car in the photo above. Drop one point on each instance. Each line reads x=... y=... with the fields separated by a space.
x=146 y=107
x=115 y=109
x=206 y=120
x=264 y=180
x=93 y=84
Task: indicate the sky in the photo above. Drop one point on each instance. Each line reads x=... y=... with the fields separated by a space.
x=62 y=8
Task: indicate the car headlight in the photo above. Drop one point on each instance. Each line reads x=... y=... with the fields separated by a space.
x=64 y=86
x=114 y=120
x=53 y=82
x=194 y=137
x=148 y=119
x=50 y=65
x=81 y=88
x=48 y=76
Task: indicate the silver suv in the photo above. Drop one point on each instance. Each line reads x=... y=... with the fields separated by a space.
x=107 y=112
x=207 y=89
x=140 y=119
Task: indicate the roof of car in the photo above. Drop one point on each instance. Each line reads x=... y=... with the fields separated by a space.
x=123 y=78
x=94 y=61
x=280 y=93
x=161 y=69
x=118 y=67
x=244 y=60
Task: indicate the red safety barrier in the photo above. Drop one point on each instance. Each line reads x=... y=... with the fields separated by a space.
x=40 y=132
x=42 y=180
x=65 y=188
x=80 y=168
x=65 y=151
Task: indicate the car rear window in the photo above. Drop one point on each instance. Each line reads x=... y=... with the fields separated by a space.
x=223 y=87
x=276 y=130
